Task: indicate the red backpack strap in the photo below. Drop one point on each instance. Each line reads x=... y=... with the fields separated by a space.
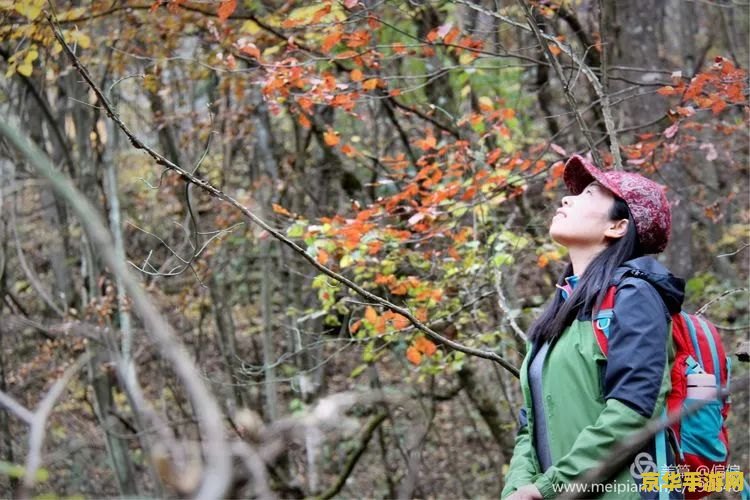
x=602 y=319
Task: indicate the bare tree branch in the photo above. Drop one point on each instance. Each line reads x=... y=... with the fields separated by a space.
x=16 y=408
x=354 y=455
x=215 y=192
x=583 y=68
x=39 y=421
x=217 y=461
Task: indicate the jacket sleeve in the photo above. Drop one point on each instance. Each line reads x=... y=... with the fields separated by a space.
x=521 y=470
x=633 y=382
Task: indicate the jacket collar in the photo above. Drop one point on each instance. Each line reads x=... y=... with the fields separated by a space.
x=567 y=288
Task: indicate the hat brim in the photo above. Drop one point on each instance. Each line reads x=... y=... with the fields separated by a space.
x=579 y=173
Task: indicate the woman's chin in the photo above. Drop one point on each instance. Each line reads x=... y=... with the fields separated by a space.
x=557 y=236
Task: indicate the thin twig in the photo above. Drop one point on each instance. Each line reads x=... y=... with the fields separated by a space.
x=735 y=252
x=39 y=421
x=724 y=294
x=503 y=303
x=587 y=71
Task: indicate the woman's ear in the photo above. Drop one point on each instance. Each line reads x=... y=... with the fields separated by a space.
x=617 y=229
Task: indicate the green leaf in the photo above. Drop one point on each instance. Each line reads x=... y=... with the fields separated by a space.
x=18 y=471
x=358 y=370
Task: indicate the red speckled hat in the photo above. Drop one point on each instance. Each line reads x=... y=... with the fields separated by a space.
x=645 y=198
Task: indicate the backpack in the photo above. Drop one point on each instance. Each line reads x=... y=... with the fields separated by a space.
x=701 y=437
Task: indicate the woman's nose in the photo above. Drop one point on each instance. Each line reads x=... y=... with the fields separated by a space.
x=566 y=201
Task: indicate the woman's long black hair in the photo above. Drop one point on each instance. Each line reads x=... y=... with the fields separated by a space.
x=592 y=285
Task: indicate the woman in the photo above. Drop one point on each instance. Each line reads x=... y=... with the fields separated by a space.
x=579 y=403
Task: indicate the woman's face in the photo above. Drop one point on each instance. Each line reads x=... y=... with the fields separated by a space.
x=583 y=220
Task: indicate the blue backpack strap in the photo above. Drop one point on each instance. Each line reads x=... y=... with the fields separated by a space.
x=714 y=353
x=729 y=377
x=602 y=319
x=661 y=456
x=693 y=336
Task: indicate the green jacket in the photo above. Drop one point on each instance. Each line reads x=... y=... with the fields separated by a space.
x=592 y=402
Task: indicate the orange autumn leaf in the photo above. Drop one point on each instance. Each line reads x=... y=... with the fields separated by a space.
x=413 y=355
x=668 y=90
x=321 y=13
x=398 y=48
x=322 y=257
x=281 y=210
x=372 y=22
x=251 y=50
x=304 y=121
x=358 y=39
x=425 y=346
x=718 y=106
x=452 y=35
x=305 y=103
x=400 y=322
x=383 y=279
x=371 y=315
x=226 y=8
x=355 y=326
x=330 y=41
x=427 y=143
x=289 y=23
x=494 y=155
x=330 y=138
x=370 y=84
x=356 y=75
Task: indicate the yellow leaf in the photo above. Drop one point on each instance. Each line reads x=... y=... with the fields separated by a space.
x=32 y=55
x=271 y=50
x=250 y=27
x=30 y=8
x=25 y=69
x=72 y=14
x=78 y=38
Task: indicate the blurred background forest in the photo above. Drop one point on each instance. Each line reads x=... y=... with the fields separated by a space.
x=157 y=342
